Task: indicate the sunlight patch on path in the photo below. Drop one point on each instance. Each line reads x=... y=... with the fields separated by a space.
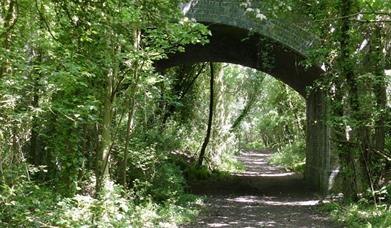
x=273 y=201
x=256 y=164
x=261 y=196
x=256 y=174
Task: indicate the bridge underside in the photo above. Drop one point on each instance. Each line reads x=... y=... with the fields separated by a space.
x=239 y=46
x=234 y=45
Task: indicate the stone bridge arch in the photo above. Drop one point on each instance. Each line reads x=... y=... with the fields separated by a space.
x=270 y=46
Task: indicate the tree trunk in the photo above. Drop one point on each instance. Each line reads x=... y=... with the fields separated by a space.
x=244 y=112
x=346 y=152
x=184 y=82
x=380 y=89
x=210 y=119
x=127 y=139
x=35 y=152
x=131 y=109
x=300 y=127
x=34 y=144
x=102 y=167
x=9 y=21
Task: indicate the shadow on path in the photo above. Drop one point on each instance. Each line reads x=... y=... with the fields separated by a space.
x=261 y=196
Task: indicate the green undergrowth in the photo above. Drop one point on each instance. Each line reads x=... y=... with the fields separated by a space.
x=364 y=212
x=256 y=145
x=195 y=173
x=229 y=164
x=359 y=214
x=27 y=204
x=291 y=157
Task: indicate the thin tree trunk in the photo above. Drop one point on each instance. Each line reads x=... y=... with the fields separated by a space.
x=290 y=104
x=243 y=113
x=379 y=88
x=182 y=88
x=127 y=139
x=133 y=92
x=145 y=110
x=9 y=22
x=210 y=119
x=34 y=145
x=102 y=168
x=37 y=158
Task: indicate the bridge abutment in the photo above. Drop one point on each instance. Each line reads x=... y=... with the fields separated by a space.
x=318 y=167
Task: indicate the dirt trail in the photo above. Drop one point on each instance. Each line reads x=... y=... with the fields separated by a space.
x=262 y=196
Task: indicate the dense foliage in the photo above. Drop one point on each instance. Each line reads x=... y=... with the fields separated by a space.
x=354 y=50
x=78 y=112
x=92 y=135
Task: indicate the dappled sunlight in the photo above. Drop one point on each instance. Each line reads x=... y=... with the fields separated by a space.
x=278 y=174
x=273 y=201
x=257 y=174
x=256 y=164
x=217 y=224
x=254 y=154
x=261 y=196
x=255 y=211
x=292 y=203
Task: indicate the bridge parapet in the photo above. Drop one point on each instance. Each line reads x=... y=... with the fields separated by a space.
x=233 y=13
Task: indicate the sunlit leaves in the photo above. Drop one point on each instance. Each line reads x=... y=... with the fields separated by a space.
x=173 y=37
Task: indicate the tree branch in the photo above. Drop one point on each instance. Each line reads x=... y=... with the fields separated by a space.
x=42 y=16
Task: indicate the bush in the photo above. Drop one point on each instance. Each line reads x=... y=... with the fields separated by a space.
x=197 y=173
x=291 y=157
x=30 y=205
x=168 y=183
x=26 y=204
x=360 y=214
x=256 y=145
x=230 y=164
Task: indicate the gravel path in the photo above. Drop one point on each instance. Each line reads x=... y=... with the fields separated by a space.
x=262 y=196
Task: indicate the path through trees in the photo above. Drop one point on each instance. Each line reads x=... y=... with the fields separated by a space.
x=263 y=195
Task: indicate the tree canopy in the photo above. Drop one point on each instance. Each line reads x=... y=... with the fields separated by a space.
x=93 y=134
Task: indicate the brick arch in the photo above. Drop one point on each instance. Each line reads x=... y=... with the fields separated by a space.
x=236 y=45
x=238 y=38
